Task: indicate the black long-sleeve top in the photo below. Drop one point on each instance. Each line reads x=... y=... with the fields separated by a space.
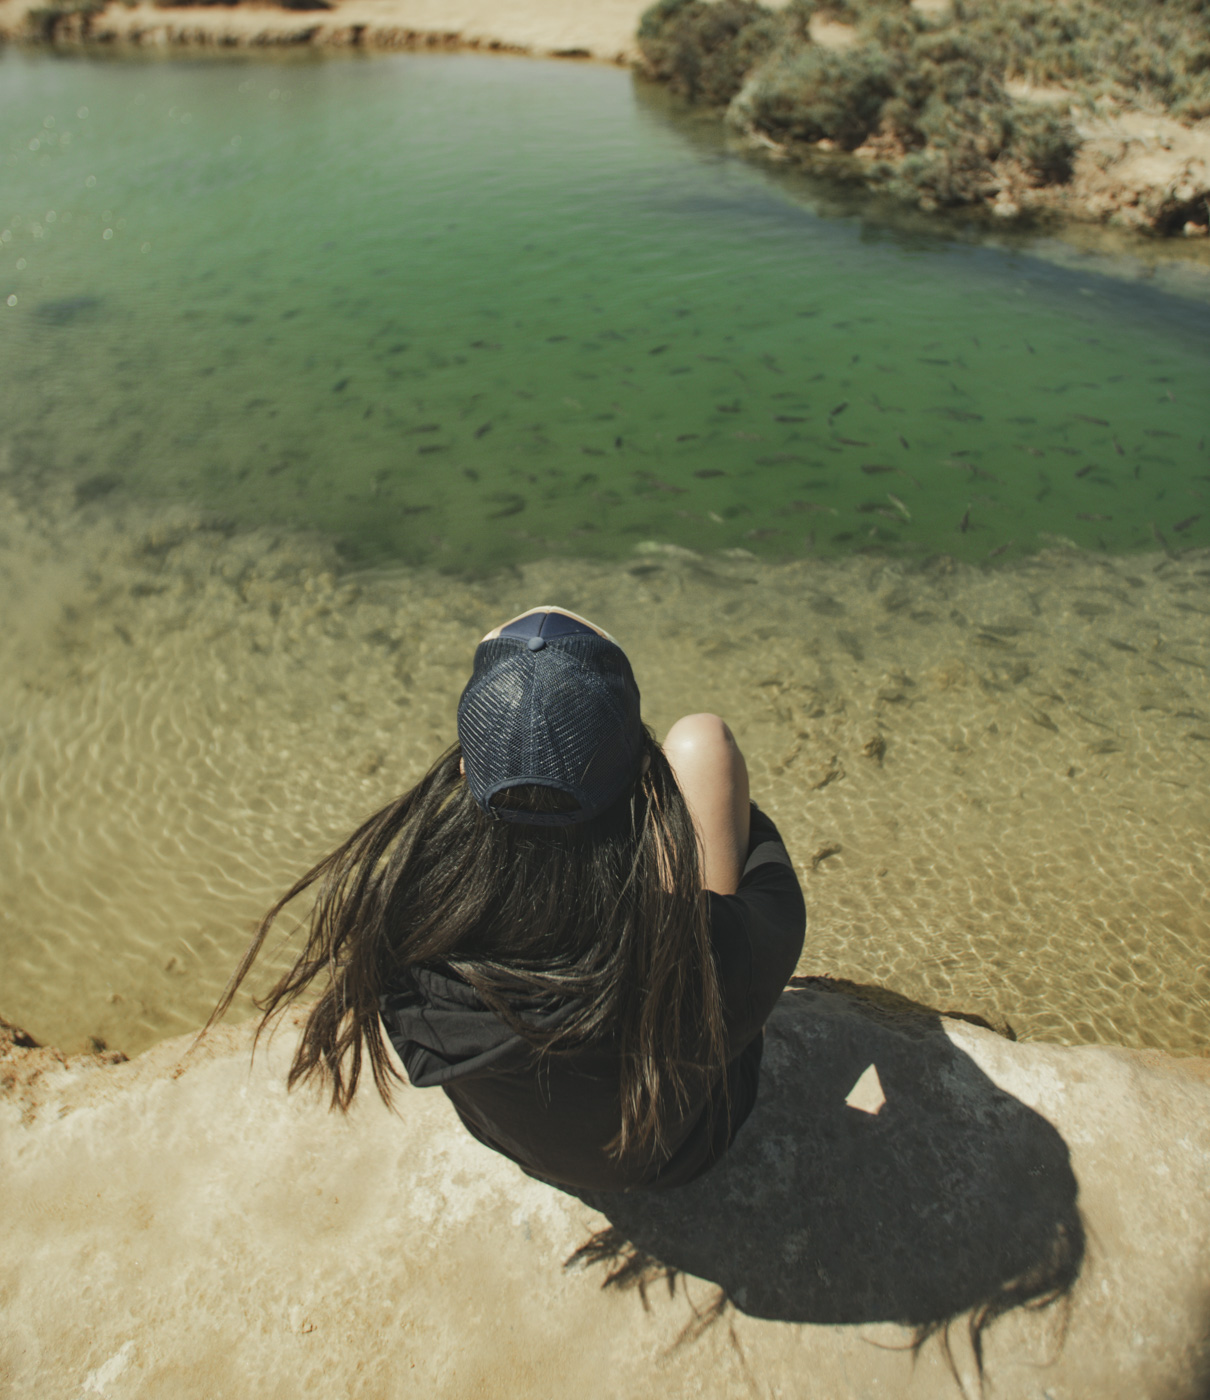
x=555 y=1115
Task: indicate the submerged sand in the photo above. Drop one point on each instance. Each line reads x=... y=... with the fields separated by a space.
x=993 y=782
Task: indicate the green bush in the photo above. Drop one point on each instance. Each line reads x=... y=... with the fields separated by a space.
x=704 y=50
x=1045 y=144
x=812 y=93
x=931 y=90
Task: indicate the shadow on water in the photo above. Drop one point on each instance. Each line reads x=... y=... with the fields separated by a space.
x=955 y=1199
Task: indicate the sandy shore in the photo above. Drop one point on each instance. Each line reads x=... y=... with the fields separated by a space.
x=592 y=29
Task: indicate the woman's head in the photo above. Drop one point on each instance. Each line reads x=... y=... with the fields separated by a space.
x=507 y=866
x=552 y=703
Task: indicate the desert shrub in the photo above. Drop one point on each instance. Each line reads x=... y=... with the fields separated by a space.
x=931 y=89
x=811 y=93
x=1156 y=50
x=705 y=50
x=1045 y=144
x=47 y=22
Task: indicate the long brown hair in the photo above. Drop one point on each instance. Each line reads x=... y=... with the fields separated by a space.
x=607 y=918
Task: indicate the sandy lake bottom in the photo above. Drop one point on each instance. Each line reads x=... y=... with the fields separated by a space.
x=994 y=782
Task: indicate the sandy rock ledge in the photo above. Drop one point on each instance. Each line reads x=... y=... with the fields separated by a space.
x=178 y=1226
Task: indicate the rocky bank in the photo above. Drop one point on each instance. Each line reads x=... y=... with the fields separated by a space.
x=179 y=1226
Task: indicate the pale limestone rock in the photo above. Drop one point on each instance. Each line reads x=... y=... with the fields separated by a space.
x=178 y=1226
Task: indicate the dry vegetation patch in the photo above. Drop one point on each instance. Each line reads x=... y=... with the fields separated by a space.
x=979 y=102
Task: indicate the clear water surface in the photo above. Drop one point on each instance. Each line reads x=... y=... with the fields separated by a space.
x=467 y=311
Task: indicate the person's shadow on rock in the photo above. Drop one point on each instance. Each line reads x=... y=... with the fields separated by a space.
x=954 y=1198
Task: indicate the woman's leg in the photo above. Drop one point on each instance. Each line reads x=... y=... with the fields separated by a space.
x=711 y=773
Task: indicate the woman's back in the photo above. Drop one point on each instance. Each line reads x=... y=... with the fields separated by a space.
x=552 y=930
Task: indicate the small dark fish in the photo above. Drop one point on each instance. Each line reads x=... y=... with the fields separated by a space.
x=963 y=417
x=341 y=387
x=554 y=339
x=1042 y=719
x=659 y=350
x=483 y=429
x=95 y=487
x=63 y=313
x=778 y=458
x=964 y=523
x=762 y=534
x=1085 y=470
x=1086 y=418
x=1069 y=451
x=593 y=451
x=999 y=549
x=852 y=442
x=470 y=473
x=617 y=442
x=510 y=505
x=1035 y=452
x=368 y=411
x=426 y=428
x=1029 y=347
x=397 y=349
x=484 y=345
x=1159 y=432
x=903 y=442
x=873 y=469
x=708 y=472
x=1096 y=519
x=1118 y=448
x=924 y=361
x=839 y=409
x=431 y=447
x=788 y=418
x=727 y=407
x=1159 y=538
x=687 y=437
x=1184 y=524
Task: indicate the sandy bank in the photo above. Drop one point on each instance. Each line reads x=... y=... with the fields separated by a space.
x=598 y=29
x=178 y=1226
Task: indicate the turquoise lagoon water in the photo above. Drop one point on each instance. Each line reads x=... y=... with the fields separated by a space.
x=469 y=311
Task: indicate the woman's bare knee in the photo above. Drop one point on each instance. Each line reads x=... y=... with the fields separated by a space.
x=697 y=736
x=711 y=773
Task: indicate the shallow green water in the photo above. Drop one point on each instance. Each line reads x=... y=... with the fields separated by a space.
x=468 y=310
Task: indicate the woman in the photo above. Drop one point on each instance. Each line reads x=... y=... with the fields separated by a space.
x=576 y=933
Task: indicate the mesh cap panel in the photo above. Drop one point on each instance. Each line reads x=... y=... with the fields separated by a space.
x=565 y=715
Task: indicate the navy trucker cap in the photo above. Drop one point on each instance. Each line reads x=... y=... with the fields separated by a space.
x=551 y=703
